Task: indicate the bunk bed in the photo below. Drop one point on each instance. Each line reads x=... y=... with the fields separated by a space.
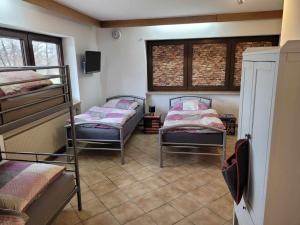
x=202 y=128
x=45 y=201
x=104 y=133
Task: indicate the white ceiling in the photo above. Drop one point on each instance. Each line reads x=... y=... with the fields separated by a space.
x=140 y=9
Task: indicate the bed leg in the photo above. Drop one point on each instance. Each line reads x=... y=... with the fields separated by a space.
x=79 y=203
x=122 y=156
x=224 y=149
x=161 y=157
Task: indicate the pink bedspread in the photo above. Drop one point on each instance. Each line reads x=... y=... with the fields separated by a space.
x=102 y=117
x=21 y=182
x=206 y=118
x=23 y=87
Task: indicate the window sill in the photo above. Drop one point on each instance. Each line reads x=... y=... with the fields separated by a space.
x=234 y=93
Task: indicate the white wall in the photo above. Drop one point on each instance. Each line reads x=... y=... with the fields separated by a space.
x=77 y=38
x=124 y=61
x=290 y=21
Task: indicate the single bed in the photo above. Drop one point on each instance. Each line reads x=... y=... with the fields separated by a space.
x=192 y=133
x=101 y=135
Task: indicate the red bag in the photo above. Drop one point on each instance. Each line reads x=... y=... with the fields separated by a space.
x=235 y=170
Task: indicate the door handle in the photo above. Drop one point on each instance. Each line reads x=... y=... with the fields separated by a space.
x=248 y=136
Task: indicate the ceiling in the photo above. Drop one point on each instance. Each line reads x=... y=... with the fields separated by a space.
x=142 y=9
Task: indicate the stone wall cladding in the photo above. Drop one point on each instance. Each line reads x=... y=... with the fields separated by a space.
x=168 y=65
x=239 y=49
x=209 y=64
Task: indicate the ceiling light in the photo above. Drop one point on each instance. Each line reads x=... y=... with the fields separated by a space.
x=240 y=1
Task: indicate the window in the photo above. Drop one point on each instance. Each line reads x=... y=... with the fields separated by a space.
x=199 y=65
x=18 y=48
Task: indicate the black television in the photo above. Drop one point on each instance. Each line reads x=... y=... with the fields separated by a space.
x=92 y=62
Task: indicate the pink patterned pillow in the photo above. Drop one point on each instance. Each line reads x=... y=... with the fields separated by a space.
x=179 y=106
x=11 y=217
x=121 y=104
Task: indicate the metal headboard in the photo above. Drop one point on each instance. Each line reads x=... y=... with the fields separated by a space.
x=206 y=101
x=138 y=99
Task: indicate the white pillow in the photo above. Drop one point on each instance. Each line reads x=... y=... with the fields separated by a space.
x=190 y=105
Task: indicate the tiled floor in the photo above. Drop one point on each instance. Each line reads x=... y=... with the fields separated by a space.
x=189 y=190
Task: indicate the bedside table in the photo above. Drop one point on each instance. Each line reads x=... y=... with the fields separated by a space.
x=152 y=123
x=229 y=122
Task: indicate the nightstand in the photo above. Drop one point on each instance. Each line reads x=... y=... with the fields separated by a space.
x=229 y=122
x=152 y=123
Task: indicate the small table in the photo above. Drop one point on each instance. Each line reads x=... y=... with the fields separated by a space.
x=152 y=123
x=229 y=122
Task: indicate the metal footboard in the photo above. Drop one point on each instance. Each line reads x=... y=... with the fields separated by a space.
x=164 y=145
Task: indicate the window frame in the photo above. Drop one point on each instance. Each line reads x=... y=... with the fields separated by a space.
x=7 y=33
x=49 y=39
x=150 y=65
x=190 y=68
x=26 y=39
x=272 y=38
x=188 y=43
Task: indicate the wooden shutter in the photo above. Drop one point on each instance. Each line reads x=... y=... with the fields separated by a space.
x=209 y=69
x=167 y=66
x=239 y=48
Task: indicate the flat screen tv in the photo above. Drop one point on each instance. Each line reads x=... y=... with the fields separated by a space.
x=92 y=62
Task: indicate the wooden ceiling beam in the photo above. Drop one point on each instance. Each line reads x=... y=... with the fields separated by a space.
x=193 y=19
x=65 y=11
x=82 y=18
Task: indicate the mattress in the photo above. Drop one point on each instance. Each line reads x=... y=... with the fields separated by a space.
x=43 y=209
x=203 y=137
x=84 y=132
x=29 y=99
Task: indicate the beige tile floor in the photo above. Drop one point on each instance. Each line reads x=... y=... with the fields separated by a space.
x=189 y=190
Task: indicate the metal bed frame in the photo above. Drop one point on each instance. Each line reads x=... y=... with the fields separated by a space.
x=68 y=104
x=109 y=145
x=162 y=131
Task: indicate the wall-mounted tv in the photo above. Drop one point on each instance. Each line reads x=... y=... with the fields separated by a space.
x=92 y=62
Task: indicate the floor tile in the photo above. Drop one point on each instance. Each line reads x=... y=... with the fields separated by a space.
x=186 y=205
x=154 y=182
x=185 y=221
x=168 y=192
x=124 y=180
x=115 y=171
x=103 y=165
x=223 y=207
x=113 y=199
x=165 y=215
x=102 y=219
x=67 y=217
x=91 y=208
x=126 y=212
x=136 y=189
x=85 y=196
x=206 y=217
x=149 y=202
x=132 y=166
x=203 y=195
x=143 y=220
x=103 y=187
x=190 y=188
x=141 y=174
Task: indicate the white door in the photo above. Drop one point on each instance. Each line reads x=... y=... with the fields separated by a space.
x=245 y=127
x=263 y=89
x=246 y=99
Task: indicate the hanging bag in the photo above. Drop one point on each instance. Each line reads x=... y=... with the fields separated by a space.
x=235 y=169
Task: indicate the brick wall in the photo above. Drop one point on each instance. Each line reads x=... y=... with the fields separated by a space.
x=239 y=49
x=167 y=64
x=209 y=64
